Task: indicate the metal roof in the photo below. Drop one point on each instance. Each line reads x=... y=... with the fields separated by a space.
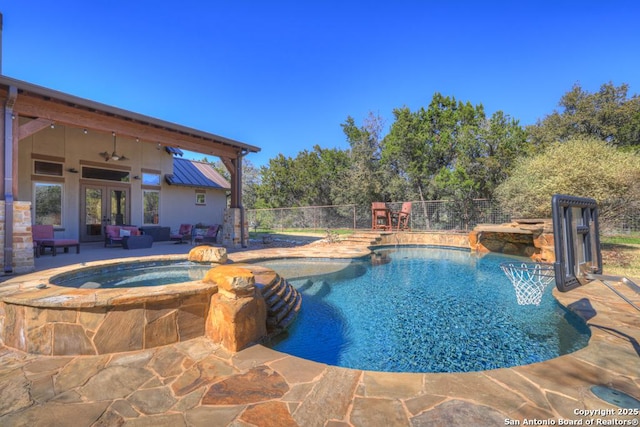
x=191 y=173
x=174 y=151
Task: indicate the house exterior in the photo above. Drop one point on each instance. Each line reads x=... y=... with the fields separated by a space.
x=79 y=165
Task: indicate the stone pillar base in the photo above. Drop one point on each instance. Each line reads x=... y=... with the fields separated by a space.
x=231 y=229
x=238 y=313
x=22 y=247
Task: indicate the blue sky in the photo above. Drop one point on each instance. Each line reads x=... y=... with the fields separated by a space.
x=283 y=75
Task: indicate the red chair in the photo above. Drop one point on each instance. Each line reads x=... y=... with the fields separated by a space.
x=403 y=216
x=210 y=236
x=184 y=234
x=380 y=216
x=43 y=238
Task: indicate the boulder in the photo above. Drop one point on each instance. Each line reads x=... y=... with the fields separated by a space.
x=204 y=253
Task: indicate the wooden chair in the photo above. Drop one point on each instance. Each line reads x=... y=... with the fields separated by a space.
x=403 y=216
x=380 y=216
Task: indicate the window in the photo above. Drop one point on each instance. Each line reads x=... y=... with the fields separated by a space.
x=201 y=199
x=151 y=202
x=150 y=178
x=47 y=168
x=105 y=174
x=48 y=204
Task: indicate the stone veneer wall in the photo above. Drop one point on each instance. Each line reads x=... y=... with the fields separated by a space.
x=458 y=240
x=22 y=237
x=101 y=330
x=231 y=229
x=527 y=238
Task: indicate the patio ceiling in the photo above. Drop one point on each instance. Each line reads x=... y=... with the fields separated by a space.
x=47 y=106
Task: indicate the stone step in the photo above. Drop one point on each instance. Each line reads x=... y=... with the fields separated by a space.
x=283 y=302
x=275 y=288
x=366 y=237
x=277 y=291
x=292 y=314
x=276 y=304
x=287 y=314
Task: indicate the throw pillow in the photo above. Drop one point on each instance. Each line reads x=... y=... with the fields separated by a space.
x=124 y=232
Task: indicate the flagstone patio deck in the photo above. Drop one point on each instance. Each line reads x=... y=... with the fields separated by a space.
x=197 y=383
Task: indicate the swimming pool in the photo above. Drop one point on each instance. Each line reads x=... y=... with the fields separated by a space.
x=422 y=309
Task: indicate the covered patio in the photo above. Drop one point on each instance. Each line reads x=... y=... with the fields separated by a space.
x=41 y=126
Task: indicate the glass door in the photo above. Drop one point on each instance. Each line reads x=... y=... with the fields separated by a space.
x=102 y=205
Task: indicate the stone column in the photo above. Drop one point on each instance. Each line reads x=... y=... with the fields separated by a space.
x=231 y=229
x=22 y=238
x=238 y=313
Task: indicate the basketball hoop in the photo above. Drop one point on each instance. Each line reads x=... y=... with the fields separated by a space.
x=530 y=279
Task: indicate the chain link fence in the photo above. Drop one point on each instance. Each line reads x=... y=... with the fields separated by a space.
x=425 y=216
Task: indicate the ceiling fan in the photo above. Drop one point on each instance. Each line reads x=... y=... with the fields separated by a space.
x=113 y=156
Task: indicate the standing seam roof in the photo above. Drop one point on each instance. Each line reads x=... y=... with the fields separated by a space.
x=191 y=173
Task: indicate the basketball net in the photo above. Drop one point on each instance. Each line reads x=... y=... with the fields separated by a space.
x=530 y=279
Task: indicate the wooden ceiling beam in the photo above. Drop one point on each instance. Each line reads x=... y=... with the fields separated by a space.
x=228 y=163
x=63 y=113
x=32 y=127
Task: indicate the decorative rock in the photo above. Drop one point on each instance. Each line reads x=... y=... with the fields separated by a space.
x=233 y=282
x=237 y=314
x=208 y=254
x=528 y=238
x=237 y=323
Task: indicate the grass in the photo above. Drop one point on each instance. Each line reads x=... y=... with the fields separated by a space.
x=319 y=232
x=621 y=255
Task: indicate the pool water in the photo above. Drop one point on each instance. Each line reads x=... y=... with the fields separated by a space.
x=422 y=310
x=130 y=275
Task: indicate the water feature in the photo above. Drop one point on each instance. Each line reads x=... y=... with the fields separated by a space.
x=422 y=310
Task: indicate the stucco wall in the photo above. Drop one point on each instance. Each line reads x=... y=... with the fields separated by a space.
x=74 y=147
x=178 y=205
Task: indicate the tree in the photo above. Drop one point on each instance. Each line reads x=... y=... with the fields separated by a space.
x=250 y=179
x=609 y=115
x=309 y=179
x=362 y=183
x=583 y=167
x=488 y=155
x=423 y=146
x=250 y=183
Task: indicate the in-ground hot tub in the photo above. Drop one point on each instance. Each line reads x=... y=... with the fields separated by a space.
x=137 y=304
x=41 y=317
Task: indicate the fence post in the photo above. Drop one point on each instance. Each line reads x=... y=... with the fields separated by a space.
x=354 y=217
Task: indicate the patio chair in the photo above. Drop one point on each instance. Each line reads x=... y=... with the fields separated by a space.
x=380 y=216
x=43 y=238
x=184 y=234
x=402 y=217
x=210 y=236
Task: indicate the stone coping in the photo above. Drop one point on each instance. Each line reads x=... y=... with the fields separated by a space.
x=25 y=290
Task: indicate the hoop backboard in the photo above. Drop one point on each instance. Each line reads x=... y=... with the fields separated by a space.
x=576 y=241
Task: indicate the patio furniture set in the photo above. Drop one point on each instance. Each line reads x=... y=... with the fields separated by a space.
x=127 y=236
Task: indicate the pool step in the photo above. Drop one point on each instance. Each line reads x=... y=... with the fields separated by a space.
x=282 y=299
x=364 y=238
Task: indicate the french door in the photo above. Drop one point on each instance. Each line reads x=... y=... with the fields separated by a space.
x=101 y=205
